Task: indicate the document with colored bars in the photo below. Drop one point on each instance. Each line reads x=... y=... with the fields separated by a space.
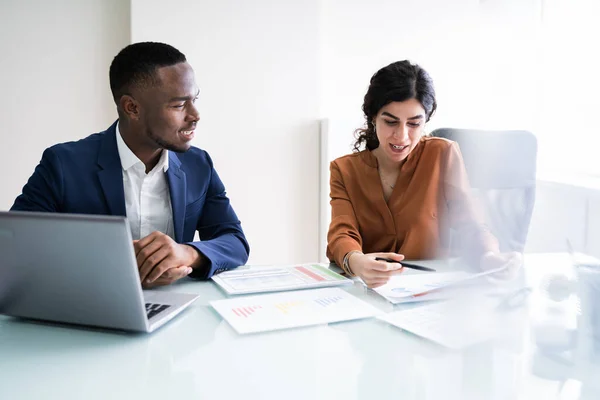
x=274 y=311
x=257 y=279
x=406 y=288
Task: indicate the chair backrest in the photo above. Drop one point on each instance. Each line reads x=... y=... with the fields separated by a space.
x=501 y=166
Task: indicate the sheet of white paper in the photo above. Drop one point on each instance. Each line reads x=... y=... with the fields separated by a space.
x=417 y=287
x=292 y=309
x=452 y=324
x=257 y=279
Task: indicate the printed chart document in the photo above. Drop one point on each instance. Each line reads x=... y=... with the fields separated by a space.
x=256 y=279
x=426 y=286
x=292 y=309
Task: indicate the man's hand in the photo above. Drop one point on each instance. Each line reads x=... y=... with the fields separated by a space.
x=162 y=261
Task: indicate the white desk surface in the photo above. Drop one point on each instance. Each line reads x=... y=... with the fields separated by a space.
x=198 y=355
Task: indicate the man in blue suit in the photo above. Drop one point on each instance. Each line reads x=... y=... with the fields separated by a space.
x=144 y=167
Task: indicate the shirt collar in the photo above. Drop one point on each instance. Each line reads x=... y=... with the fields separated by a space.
x=129 y=159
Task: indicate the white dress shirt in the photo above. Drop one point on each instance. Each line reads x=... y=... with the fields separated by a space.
x=147 y=196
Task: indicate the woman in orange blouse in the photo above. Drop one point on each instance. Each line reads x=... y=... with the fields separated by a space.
x=400 y=197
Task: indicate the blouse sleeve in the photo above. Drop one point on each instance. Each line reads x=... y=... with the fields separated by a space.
x=471 y=236
x=343 y=235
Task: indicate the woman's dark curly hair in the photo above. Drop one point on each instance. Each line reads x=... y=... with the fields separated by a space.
x=398 y=81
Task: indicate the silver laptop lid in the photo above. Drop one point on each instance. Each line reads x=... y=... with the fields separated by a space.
x=77 y=269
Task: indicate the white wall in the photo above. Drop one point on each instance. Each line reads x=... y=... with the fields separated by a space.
x=54 y=78
x=496 y=64
x=469 y=47
x=257 y=65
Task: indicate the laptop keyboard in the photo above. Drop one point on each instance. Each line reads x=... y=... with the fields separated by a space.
x=153 y=309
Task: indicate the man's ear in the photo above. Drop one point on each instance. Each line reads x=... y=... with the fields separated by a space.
x=130 y=107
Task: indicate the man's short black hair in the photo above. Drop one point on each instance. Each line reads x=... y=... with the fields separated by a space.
x=137 y=63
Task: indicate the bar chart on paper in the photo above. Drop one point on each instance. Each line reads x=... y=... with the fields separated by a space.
x=245 y=311
x=292 y=309
x=257 y=279
x=417 y=287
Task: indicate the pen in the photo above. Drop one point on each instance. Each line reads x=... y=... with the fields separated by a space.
x=404 y=264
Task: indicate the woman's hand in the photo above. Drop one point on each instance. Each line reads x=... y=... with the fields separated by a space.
x=375 y=273
x=512 y=261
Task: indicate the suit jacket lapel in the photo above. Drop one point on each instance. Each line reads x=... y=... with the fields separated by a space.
x=110 y=174
x=178 y=189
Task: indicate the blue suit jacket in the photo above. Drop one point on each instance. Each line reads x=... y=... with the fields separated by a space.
x=85 y=177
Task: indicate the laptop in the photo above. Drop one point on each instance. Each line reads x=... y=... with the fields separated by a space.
x=78 y=269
